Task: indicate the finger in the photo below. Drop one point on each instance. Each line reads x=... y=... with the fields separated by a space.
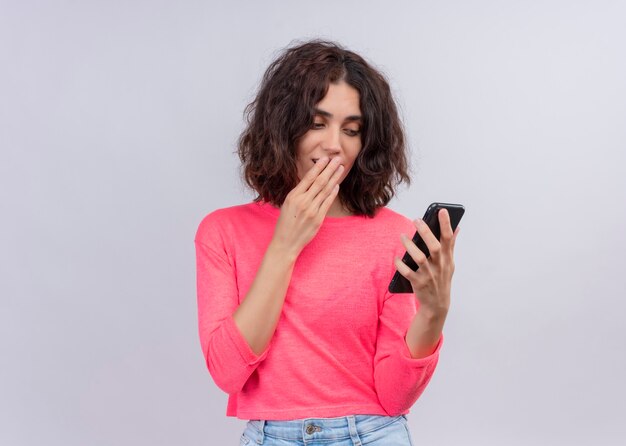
x=328 y=188
x=323 y=178
x=453 y=241
x=408 y=273
x=404 y=269
x=433 y=245
x=446 y=229
x=416 y=254
x=311 y=175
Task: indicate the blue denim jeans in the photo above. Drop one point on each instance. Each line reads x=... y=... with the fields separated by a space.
x=351 y=430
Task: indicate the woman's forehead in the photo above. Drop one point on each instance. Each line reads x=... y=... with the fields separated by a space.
x=341 y=100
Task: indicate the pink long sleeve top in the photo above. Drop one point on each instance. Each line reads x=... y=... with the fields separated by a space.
x=339 y=347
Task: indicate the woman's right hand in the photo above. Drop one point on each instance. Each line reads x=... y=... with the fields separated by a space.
x=306 y=205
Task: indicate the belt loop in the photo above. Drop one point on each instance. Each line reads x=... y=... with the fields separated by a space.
x=261 y=439
x=354 y=435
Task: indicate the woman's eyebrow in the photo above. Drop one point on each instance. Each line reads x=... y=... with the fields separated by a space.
x=319 y=111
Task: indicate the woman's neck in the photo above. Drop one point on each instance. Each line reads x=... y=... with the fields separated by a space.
x=337 y=209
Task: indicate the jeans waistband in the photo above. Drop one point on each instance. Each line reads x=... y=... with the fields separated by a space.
x=323 y=428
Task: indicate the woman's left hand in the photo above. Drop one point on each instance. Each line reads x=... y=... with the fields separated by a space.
x=433 y=279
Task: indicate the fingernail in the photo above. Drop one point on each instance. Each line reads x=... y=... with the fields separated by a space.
x=419 y=221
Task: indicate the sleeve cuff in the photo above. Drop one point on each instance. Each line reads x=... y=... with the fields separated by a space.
x=420 y=362
x=248 y=356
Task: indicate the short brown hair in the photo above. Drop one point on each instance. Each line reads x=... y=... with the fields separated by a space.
x=283 y=111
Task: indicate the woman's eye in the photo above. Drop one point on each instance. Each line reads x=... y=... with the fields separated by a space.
x=352 y=132
x=318 y=125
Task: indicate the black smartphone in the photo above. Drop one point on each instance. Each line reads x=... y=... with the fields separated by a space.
x=399 y=283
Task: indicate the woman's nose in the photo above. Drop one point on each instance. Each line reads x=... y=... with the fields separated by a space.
x=331 y=141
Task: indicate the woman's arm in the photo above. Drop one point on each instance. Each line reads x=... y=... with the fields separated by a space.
x=257 y=316
x=431 y=284
x=424 y=333
x=402 y=374
x=301 y=216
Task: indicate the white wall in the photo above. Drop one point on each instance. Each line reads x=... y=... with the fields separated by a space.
x=118 y=122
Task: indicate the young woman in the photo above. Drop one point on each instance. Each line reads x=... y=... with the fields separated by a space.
x=295 y=319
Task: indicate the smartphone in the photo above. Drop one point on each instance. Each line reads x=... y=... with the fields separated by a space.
x=399 y=283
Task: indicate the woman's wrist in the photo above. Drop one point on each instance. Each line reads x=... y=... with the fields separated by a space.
x=431 y=314
x=281 y=252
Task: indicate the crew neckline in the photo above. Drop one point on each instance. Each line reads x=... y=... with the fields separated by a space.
x=275 y=211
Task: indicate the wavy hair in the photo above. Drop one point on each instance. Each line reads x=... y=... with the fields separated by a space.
x=283 y=111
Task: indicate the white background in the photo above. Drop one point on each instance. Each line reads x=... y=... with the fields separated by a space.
x=118 y=123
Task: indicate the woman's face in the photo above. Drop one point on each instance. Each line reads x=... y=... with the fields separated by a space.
x=336 y=130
